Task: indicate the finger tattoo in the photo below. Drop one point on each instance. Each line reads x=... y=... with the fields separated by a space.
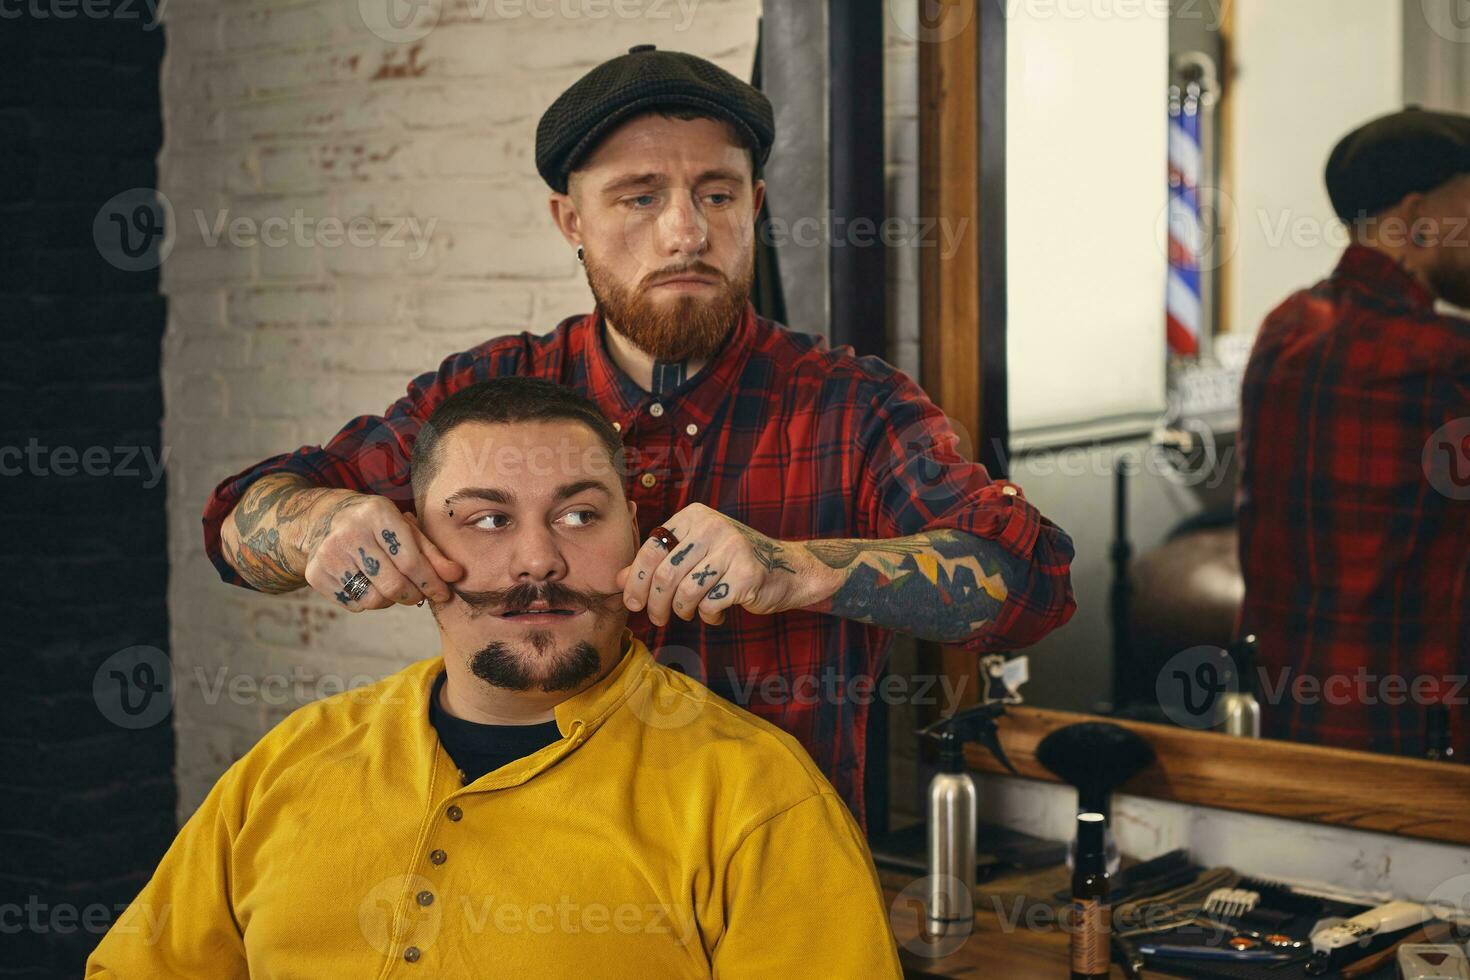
x=343 y=597
x=369 y=563
x=392 y=540
x=683 y=553
x=704 y=575
x=719 y=591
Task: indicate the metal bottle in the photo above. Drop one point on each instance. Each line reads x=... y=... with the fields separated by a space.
x=1241 y=711
x=953 y=814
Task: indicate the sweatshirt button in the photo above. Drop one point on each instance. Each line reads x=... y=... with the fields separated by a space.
x=454 y=812
x=411 y=954
x=425 y=897
x=437 y=857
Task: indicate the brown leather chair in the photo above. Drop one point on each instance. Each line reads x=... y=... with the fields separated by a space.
x=1186 y=592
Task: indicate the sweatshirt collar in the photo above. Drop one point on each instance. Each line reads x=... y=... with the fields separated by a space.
x=576 y=718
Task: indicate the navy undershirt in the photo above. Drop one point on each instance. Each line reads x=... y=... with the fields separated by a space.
x=477 y=749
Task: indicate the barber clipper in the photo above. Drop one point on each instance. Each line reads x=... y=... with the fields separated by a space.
x=954 y=807
x=1334 y=945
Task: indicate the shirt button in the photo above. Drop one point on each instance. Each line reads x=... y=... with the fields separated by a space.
x=691 y=429
x=656 y=410
x=1008 y=491
x=648 y=480
x=462 y=777
x=411 y=954
x=617 y=427
x=438 y=857
x=425 y=898
x=454 y=812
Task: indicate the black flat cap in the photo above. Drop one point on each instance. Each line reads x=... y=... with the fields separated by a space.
x=645 y=78
x=1384 y=161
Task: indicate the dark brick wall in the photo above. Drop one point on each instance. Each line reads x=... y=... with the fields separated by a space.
x=86 y=804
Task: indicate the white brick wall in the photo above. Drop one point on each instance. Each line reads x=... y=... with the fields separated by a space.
x=274 y=108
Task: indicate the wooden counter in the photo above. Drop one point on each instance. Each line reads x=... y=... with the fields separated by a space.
x=1003 y=946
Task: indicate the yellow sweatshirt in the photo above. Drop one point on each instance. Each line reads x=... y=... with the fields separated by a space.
x=668 y=834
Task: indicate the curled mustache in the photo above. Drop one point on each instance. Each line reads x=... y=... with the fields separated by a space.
x=518 y=598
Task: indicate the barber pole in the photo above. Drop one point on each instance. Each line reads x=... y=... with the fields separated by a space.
x=1186 y=228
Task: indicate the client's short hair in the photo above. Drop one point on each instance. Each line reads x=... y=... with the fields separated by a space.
x=501 y=401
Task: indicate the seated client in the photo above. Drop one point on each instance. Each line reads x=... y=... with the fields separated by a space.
x=541 y=799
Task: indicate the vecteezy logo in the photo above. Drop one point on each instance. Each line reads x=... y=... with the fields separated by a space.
x=1450 y=900
x=1446 y=459
x=134 y=230
x=393 y=917
x=1192 y=685
x=909 y=916
x=134 y=687
x=1450 y=19
x=931 y=20
x=399 y=21
x=666 y=706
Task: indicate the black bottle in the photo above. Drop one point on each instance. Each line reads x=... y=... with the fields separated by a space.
x=1437 y=734
x=1091 y=911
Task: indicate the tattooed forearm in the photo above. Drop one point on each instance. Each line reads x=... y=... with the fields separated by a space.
x=940 y=585
x=267 y=538
x=261 y=560
x=839 y=553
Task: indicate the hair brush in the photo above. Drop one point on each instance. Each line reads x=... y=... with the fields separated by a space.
x=1096 y=757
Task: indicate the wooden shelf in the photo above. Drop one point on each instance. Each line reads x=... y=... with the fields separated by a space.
x=1360 y=790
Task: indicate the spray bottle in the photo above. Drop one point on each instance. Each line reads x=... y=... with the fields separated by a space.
x=954 y=806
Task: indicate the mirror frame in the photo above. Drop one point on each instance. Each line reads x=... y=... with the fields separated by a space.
x=962 y=178
x=1390 y=794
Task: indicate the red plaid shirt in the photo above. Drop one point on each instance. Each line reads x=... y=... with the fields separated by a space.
x=1357 y=566
x=797 y=441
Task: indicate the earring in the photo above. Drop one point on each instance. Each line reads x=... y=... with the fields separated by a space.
x=579 y=253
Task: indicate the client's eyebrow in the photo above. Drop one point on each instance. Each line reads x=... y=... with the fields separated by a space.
x=572 y=489
x=505 y=498
x=490 y=494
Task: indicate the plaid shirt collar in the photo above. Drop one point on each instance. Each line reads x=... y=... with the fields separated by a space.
x=1377 y=273
x=697 y=400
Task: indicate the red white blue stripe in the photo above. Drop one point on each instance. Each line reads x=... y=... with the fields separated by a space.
x=1186 y=227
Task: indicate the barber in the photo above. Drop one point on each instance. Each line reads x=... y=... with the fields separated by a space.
x=799 y=504
x=1354 y=499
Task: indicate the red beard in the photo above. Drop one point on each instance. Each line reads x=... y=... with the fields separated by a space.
x=690 y=328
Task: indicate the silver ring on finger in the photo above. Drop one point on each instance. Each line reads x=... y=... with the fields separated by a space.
x=357 y=586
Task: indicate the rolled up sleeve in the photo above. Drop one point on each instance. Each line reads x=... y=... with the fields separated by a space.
x=916 y=478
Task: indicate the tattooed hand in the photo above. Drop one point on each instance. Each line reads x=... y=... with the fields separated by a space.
x=719 y=563
x=367 y=533
x=286 y=533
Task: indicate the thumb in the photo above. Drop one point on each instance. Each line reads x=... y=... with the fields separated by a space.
x=621 y=579
x=445 y=567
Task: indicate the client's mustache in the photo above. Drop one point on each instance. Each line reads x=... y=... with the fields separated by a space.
x=519 y=598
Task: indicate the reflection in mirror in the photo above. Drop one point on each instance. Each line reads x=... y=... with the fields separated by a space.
x=1148 y=420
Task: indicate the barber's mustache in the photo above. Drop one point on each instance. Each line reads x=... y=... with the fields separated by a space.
x=519 y=598
x=694 y=269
